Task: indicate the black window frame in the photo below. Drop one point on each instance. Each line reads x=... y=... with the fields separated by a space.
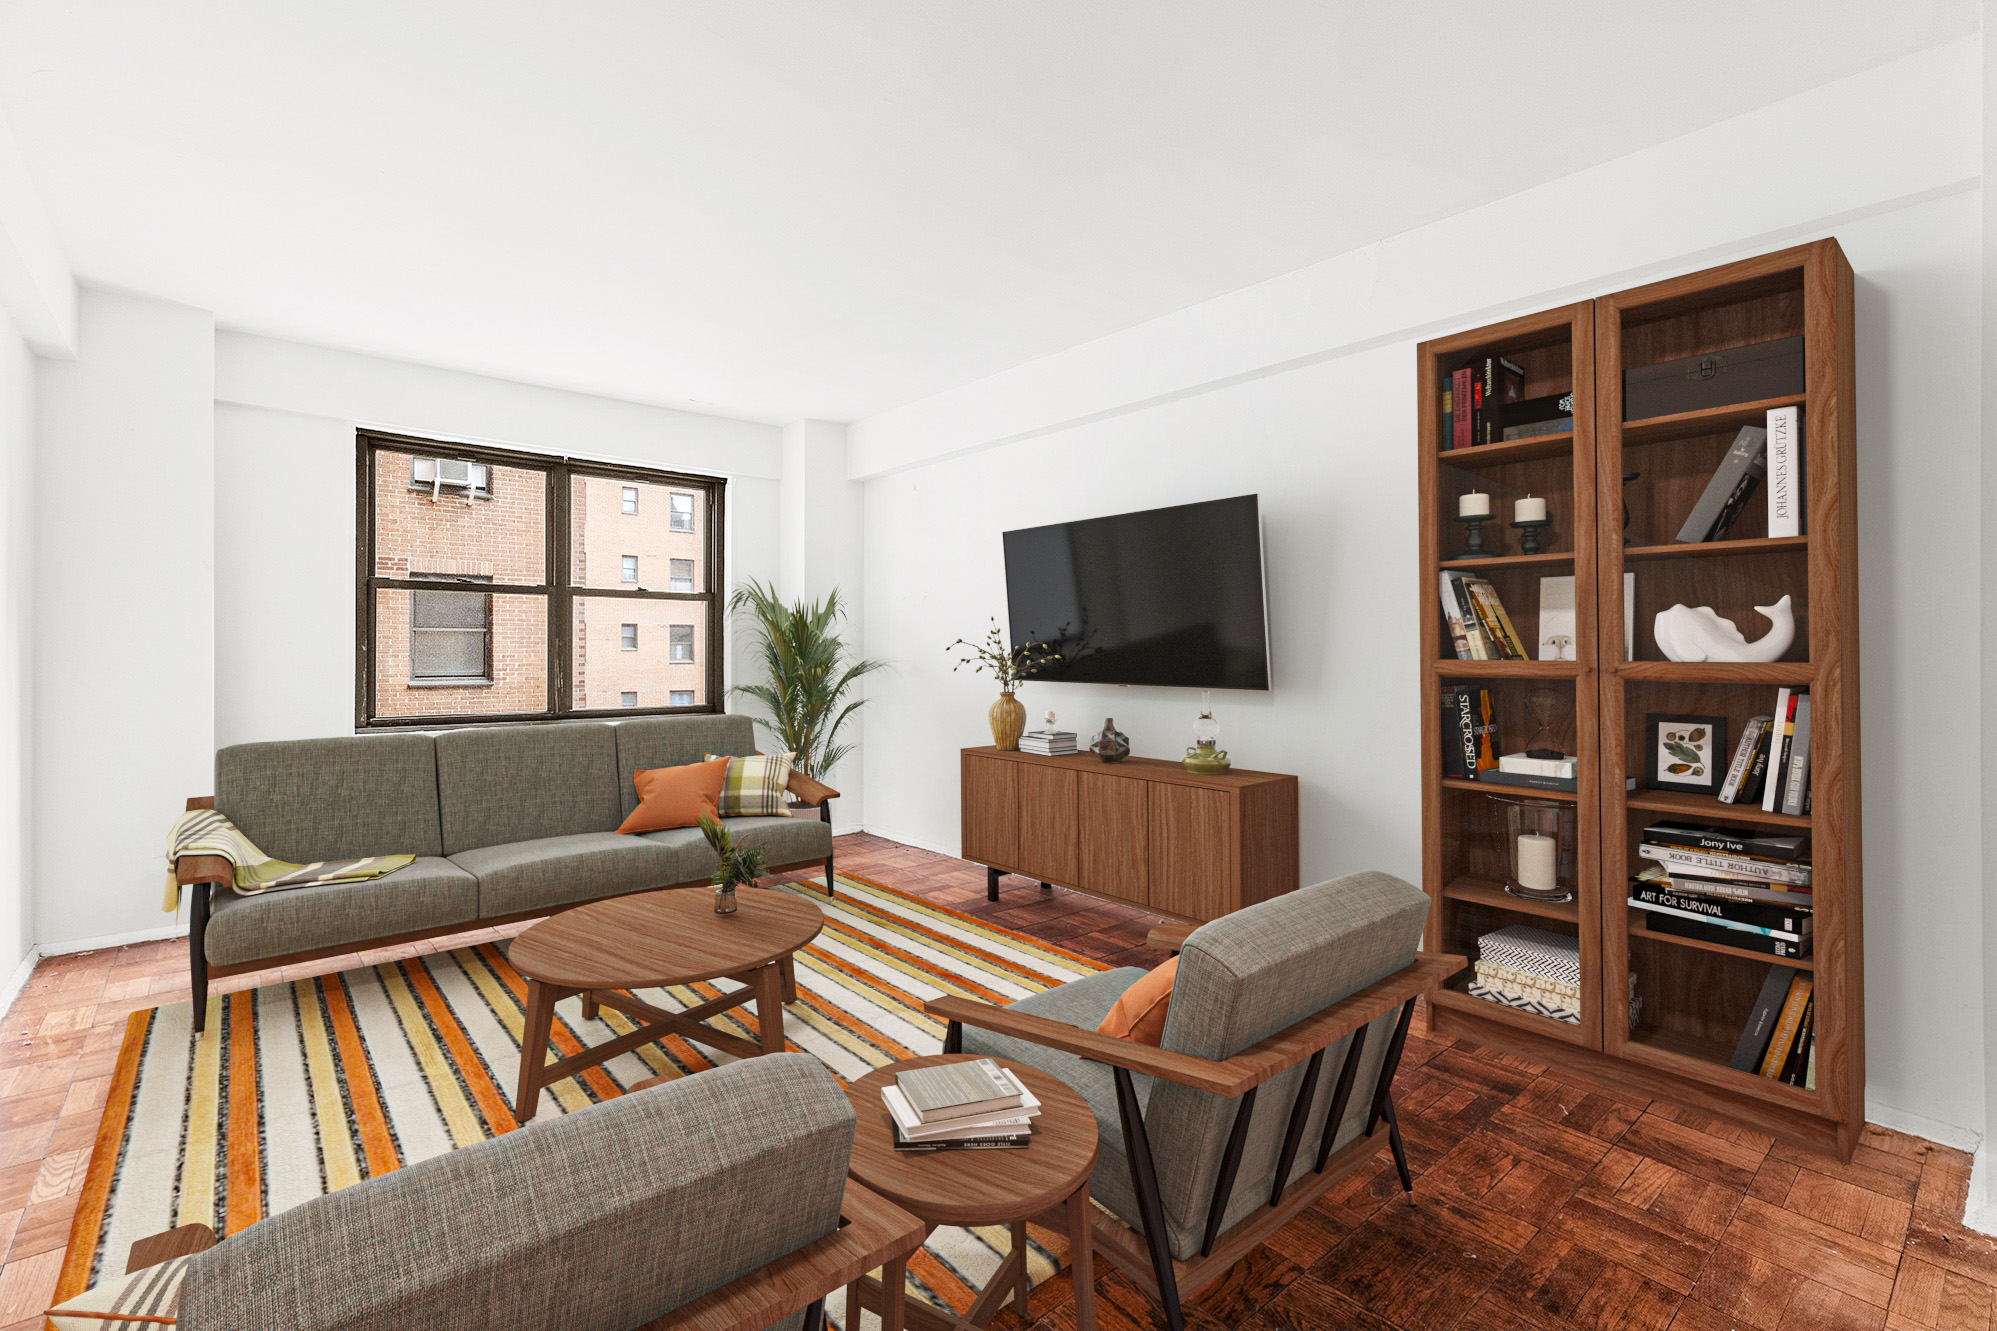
x=557 y=592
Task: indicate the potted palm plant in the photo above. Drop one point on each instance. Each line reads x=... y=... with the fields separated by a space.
x=806 y=674
x=739 y=864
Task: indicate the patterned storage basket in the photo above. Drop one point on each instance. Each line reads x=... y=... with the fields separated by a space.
x=1535 y=971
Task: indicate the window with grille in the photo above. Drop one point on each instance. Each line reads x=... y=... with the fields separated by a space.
x=497 y=585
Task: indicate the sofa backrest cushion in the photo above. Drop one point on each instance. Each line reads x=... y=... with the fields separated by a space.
x=333 y=799
x=1243 y=978
x=675 y=741
x=600 y=1220
x=500 y=784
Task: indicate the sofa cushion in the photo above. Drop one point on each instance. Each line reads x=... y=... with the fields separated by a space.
x=676 y=796
x=596 y=1221
x=522 y=783
x=789 y=841
x=674 y=741
x=333 y=799
x=562 y=870
x=428 y=894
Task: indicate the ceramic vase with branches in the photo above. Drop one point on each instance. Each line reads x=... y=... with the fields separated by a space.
x=1008 y=665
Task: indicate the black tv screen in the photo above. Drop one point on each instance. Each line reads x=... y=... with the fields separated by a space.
x=1166 y=596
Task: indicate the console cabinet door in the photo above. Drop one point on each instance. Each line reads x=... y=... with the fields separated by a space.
x=1115 y=832
x=1047 y=814
x=991 y=811
x=1191 y=855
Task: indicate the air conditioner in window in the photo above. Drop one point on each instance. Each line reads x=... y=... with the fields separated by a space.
x=458 y=475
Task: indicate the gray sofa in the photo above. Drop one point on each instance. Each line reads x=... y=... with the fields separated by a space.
x=719 y=1199
x=507 y=822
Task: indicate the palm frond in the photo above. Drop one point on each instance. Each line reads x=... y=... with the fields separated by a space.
x=805 y=683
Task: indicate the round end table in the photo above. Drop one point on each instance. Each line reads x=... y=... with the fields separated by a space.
x=1047 y=1182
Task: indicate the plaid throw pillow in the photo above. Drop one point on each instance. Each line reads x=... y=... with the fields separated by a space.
x=754 y=786
x=132 y=1302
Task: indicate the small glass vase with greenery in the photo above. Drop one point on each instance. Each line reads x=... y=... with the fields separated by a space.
x=806 y=676
x=1009 y=666
x=739 y=863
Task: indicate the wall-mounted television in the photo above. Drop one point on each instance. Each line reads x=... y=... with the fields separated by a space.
x=1165 y=596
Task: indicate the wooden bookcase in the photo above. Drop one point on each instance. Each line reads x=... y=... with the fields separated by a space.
x=1695 y=997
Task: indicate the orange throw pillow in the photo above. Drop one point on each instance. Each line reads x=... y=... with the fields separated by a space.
x=676 y=796
x=1139 y=1014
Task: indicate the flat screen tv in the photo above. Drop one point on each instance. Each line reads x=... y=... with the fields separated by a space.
x=1165 y=596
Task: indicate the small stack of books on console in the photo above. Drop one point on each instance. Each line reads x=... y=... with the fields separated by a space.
x=1052 y=743
x=1727 y=885
x=969 y=1106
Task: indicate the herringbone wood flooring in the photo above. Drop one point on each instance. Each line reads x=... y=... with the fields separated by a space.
x=1541 y=1202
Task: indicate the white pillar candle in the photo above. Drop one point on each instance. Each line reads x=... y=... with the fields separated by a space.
x=1537 y=857
x=1474 y=506
x=1529 y=510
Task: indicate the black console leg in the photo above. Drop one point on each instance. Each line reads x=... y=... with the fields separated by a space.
x=197 y=952
x=991 y=884
x=1047 y=887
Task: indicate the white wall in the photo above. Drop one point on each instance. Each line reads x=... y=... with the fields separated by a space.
x=17 y=638
x=1302 y=389
x=285 y=417
x=124 y=610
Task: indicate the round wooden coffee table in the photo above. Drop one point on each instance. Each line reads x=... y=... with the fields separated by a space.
x=1047 y=1183
x=658 y=938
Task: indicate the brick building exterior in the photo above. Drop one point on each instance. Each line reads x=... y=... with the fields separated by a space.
x=480 y=652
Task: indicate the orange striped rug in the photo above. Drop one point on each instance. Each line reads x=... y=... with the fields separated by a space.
x=301 y=1089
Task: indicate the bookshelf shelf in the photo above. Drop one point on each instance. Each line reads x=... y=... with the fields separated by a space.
x=1696 y=995
x=1711 y=420
x=1760 y=545
x=1500 y=788
x=1744 y=953
x=1512 y=450
x=1704 y=808
x=1507 y=669
x=1493 y=895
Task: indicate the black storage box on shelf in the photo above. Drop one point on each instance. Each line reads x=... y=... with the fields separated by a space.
x=1714 y=379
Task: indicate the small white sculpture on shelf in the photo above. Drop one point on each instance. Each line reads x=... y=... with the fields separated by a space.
x=1686 y=634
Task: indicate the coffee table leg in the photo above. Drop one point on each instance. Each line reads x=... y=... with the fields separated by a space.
x=1081 y=1258
x=589 y=1005
x=789 y=964
x=1025 y=1280
x=770 y=1007
x=538 y=1022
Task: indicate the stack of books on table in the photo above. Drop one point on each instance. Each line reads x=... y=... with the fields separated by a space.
x=1535 y=971
x=1053 y=743
x=1726 y=885
x=969 y=1106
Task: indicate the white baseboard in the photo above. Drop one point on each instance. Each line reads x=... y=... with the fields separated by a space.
x=11 y=990
x=1981 y=1212
x=917 y=842
x=1920 y=1125
x=113 y=940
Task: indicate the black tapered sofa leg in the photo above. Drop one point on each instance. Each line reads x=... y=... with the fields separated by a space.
x=197 y=952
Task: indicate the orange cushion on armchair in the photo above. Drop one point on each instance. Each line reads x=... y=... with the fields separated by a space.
x=1139 y=1015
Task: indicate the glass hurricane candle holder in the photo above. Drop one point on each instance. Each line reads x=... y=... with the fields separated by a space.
x=1539 y=847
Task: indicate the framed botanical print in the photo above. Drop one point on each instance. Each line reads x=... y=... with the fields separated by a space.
x=1687 y=753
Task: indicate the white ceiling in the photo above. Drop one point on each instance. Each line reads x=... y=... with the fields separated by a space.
x=828 y=207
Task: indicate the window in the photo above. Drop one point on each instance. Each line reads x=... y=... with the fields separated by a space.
x=495 y=585
x=450 y=637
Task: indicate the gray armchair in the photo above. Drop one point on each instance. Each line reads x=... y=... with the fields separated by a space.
x=714 y=1201
x=1273 y=1079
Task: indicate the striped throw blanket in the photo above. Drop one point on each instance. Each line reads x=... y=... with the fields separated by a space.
x=206 y=832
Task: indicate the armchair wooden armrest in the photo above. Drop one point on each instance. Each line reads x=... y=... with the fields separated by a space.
x=808 y=791
x=192 y=869
x=1232 y=1076
x=873 y=1230
x=182 y=1242
x=1169 y=936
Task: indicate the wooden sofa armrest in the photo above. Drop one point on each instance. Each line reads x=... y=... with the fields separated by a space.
x=873 y=1230
x=1251 y=1067
x=182 y=1242
x=1169 y=936
x=808 y=791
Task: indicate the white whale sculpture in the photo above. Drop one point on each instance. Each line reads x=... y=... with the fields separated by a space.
x=1686 y=634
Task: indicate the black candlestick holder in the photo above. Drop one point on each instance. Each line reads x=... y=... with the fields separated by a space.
x=1529 y=542
x=1473 y=541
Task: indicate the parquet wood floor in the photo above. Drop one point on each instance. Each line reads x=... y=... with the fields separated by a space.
x=1541 y=1202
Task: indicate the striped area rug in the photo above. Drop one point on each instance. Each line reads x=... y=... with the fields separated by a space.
x=301 y=1089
